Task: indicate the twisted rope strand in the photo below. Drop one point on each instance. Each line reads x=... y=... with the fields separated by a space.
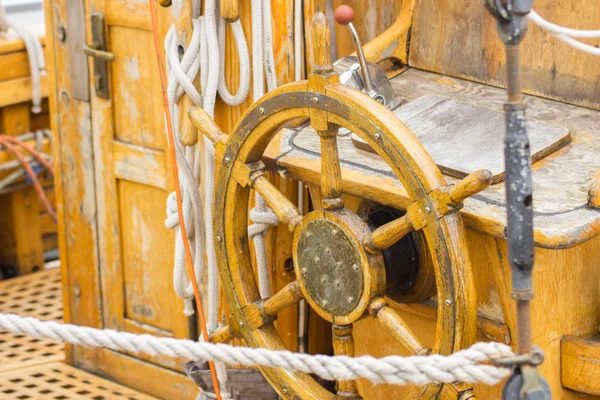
x=465 y=365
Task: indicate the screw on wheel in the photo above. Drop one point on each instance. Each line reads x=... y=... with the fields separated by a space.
x=337 y=258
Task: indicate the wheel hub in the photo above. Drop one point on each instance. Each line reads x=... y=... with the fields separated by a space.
x=336 y=275
x=330 y=267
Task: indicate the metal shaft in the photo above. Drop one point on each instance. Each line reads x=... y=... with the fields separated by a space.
x=362 y=60
x=513 y=73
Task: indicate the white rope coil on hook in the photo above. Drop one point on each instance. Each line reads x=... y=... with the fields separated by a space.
x=263 y=64
x=244 y=67
x=181 y=75
x=567 y=35
x=467 y=365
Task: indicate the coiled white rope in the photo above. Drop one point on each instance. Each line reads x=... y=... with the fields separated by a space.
x=566 y=35
x=35 y=54
x=244 y=67
x=466 y=365
x=263 y=64
x=181 y=75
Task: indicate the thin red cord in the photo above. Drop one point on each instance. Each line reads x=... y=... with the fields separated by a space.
x=186 y=244
x=9 y=144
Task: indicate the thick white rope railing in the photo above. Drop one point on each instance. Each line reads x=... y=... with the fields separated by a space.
x=470 y=365
x=566 y=35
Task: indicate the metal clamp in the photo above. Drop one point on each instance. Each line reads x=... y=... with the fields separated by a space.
x=512 y=18
x=533 y=358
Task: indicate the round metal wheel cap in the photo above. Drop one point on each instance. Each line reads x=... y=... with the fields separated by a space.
x=329 y=266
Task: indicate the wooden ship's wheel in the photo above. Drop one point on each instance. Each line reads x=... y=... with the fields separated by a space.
x=337 y=258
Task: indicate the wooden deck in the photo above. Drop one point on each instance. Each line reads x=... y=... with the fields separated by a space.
x=32 y=368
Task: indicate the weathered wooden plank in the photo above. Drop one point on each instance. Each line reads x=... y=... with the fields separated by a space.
x=459 y=38
x=139 y=164
x=450 y=129
x=19 y=90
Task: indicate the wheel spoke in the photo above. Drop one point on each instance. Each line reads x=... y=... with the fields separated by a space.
x=394 y=323
x=264 y=312
x=225 y=334
x=388 y=234
x=343 y=345
x=331 y=173
x=469 y=186
x=284 y=209
x=288 y=296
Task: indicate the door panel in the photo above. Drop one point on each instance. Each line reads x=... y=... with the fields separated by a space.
x=136 y=88
x=146 y=255
x=130 y=152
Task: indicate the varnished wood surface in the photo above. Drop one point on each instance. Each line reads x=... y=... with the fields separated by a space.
x=459 y=38
x=581 y=364
x=561 y=180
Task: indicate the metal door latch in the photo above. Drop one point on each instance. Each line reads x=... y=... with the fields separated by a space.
x=97 y=49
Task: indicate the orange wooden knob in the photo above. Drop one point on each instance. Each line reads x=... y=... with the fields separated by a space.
x=344 y=15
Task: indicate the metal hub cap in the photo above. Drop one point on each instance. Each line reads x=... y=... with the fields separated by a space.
x=330 y=267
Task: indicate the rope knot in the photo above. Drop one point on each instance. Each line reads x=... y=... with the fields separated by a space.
x=172 y=220
x=263 y=220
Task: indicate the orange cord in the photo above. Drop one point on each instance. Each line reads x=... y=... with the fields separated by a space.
x=186 y=243
x=9 y=144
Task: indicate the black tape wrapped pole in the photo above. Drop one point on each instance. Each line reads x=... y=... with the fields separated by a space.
x=526 y=383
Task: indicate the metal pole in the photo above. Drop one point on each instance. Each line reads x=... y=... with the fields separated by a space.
x=526 y=384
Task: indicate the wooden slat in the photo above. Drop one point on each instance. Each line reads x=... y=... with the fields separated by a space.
x=60 y=381
x=132 y=14
x=459 y=38
x=139 y=164
x=19 y=90
x=580 y=363
x=14 y=65
x=12 y=44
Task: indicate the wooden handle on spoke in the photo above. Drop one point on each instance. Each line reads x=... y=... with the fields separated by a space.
x=291 y=294
x=470 y=185
x=331 y=173
x=285 y=210
x=205 y=124
x=394 y=323
x=343 y=345
x=165 y=3
x=388 y=234
x=321 y=41
x=230 y=10
x=224 y=334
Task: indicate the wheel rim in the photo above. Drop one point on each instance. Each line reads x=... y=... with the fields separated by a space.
x=400 y=149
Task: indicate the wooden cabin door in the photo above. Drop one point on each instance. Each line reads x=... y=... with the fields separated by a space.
x=131 y=175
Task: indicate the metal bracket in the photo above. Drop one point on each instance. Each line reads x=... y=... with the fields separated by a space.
x=97 y=49
x=534 y=358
